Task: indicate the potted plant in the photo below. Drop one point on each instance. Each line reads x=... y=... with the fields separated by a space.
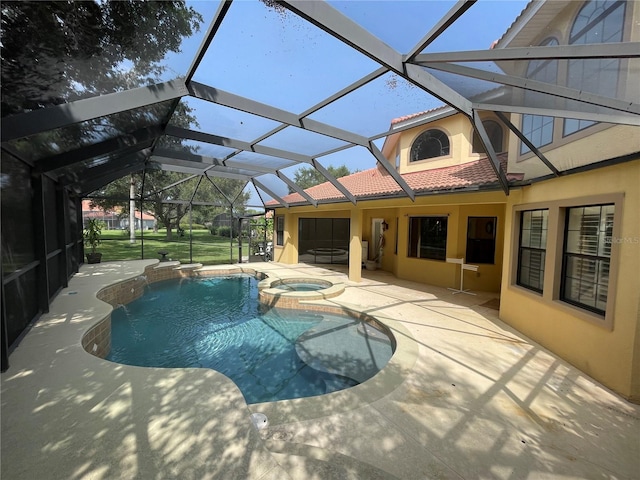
x=91 y=235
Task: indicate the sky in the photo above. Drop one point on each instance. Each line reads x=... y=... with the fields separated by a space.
x=286 y=62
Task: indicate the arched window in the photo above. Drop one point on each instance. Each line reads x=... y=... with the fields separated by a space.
x=429 y=144
x=494 y=132
x=537 y=128
x=596 y=22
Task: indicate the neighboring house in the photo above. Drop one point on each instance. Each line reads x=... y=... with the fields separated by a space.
x=562 y=249
x=114 y=219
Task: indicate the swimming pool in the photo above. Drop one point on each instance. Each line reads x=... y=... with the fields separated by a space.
x=218 y=323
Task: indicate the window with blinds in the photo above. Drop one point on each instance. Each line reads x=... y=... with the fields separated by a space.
x=587 y=256
x=532 y=249
x=280 y=230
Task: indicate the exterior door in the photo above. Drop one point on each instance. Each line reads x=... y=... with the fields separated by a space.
x=323 y=240
x=377 y=241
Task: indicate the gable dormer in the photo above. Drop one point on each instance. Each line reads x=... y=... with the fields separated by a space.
x=440 y=138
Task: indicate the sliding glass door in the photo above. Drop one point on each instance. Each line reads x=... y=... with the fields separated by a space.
x=323 y=240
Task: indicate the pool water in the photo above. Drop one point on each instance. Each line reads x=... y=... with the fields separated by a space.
x=217 y=323
x=300 y=287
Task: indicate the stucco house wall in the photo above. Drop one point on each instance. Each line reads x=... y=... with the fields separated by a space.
x=605 y=347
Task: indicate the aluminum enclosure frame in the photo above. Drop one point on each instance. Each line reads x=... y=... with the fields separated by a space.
x=412 y=66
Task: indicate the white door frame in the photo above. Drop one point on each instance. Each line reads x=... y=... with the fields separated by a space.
x=376 y=233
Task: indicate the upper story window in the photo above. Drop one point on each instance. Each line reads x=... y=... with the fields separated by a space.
x=537 y=128
x=495 y=134
x=596 y=22
x=429 y=144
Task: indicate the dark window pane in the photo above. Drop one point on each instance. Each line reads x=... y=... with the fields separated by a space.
x=306 y=235
x=532 y=269
x=429 y=144
x=323 y=240
x=532 y=249
x=341 y=238
x=428 y=237
x=324 y=233
x=279 y=230
x=414 y=236
x=603 y=285
x=481 y=240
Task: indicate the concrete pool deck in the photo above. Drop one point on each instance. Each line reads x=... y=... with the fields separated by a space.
x=465 y=396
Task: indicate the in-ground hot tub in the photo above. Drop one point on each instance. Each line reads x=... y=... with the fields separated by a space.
x=296 y=285
x=289 y=292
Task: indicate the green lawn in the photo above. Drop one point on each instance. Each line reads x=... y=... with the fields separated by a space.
x=207 y=249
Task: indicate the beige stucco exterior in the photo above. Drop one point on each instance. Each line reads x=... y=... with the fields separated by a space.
x=600 y=142
x=396 y=212
x=460 y=133
x=608 y=349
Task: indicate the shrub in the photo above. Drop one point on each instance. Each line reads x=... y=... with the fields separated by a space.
x=195 y=226
x=224 y=231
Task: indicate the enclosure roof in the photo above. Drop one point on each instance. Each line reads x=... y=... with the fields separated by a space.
x=264 y=88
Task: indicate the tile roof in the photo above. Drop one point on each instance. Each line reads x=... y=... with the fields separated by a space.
x=418 y=114
x=514 y=24
x=91 y=211
x=378 y=182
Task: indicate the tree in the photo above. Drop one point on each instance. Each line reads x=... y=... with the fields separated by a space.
x=226 y=195
x=170 y=206
x=307 y=177
x=56 y=52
